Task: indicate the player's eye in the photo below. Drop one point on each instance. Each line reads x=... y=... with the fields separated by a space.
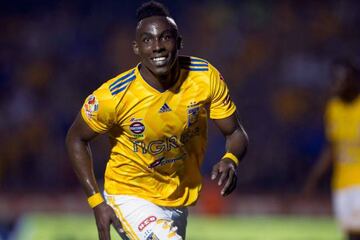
x=166 y=37
x=146 y=40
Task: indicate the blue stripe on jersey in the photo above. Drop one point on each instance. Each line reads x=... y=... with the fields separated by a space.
x=122 y=83
x=196 y=69
x=192 y=64
x=197 y=60
x=122 y=78
x=118 y=90
x=198 y=64
x=122 y=86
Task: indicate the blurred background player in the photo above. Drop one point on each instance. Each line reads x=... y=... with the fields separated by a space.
x=156 y=117
x=342 y=122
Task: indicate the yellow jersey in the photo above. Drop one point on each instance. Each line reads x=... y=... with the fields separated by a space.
x=158 y=139
x=343 y=131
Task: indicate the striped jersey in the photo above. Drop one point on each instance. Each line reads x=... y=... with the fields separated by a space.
x=343 y=131
x=158 y=139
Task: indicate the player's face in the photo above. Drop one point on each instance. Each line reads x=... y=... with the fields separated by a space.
x=342 y=79
x=157 y=43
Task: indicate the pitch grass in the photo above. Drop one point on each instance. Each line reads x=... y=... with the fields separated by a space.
x=82 y=227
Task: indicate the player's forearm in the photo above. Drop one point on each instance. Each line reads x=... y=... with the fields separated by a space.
x=322 y=165
x=80 y=156
x=237 y=142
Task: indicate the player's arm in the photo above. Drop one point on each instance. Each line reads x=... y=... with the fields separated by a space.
x=320 y=168
x=235 y=148
x=77 y=143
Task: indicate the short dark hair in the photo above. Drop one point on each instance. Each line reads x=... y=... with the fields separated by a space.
x=150 y=9
x=347 y=63
x=342 y=61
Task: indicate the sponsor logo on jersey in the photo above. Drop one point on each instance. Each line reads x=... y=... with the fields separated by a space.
x=193 y=111
x=165 y=108
x=152 y=236
x=146 y=222
x=137 y=127
x=91 y=106
x=163 y=161
x=157 y=146
x=134 y=119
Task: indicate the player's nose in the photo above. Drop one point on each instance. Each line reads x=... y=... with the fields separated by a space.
x=158 y=46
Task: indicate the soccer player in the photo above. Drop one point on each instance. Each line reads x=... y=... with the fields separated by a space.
x=155 y=115
x=342 y=121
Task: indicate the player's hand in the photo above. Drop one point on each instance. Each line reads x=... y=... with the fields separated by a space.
x=226 y=169
x=105 y=215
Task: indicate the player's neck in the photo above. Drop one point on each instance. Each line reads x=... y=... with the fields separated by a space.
x=349 y=97
x=163 y=82
x=349 y=93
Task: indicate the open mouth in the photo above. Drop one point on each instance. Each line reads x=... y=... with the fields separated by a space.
x=159 y=61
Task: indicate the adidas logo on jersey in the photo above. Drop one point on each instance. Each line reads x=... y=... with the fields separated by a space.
x=165 y=108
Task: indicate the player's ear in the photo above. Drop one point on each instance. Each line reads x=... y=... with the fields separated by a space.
x=179 y=43
x=135 y=47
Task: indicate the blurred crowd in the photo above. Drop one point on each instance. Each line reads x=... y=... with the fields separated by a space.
x=274 y=55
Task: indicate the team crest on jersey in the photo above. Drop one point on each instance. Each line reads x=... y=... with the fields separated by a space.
x=91 y=106
x=193 y=113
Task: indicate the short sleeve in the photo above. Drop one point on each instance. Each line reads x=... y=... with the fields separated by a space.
x=98 y=110
x=221 y=105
